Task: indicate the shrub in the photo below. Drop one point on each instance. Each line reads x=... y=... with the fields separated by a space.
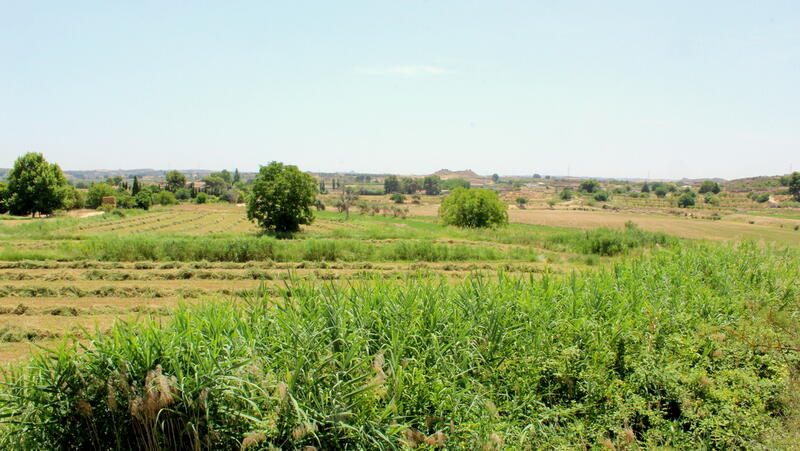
x=566 y=193
x=761 y=198
x=183 y=194
x=473 y=208
x=521 y=202
x=165 y=198
x=201 y=198
x=661 y=191
x=398 y=198
x=601 y=196
x=589 y=186
x=686 y=200
x=710 y=187
x=144 y=200
x=711 y=199
x=97 y=192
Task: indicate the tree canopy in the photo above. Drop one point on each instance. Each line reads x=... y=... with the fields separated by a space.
x=794 y=185
x=473 y=208
x=282 y=198
x=175 y=180
x=35 y=186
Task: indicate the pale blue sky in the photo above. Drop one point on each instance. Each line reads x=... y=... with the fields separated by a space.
x=616 y=89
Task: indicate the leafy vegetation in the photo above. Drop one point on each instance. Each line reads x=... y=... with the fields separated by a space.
x=473 y=208
x=648 y=354
x=282 y=198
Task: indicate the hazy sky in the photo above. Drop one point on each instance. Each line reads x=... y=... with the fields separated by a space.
x=608 y=88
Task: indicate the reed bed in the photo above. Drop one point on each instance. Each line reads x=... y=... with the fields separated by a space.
x=690 y=347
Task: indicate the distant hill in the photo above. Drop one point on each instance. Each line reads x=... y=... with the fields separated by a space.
x=467 y=174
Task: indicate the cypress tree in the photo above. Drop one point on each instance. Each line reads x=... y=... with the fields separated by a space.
x=136 y=186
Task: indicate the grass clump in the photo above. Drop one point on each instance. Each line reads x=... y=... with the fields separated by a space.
x=644 y=354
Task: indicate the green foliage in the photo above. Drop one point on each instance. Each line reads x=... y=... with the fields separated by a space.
x=432 y=185
x=74 y=199
x=601 y=196
x=94 y=198
x=165 y=198
x=410 y=185
x=566 y=193
x=761 y=198
x=4 y=196
x=711 y=199
x=521 y=202
x=495 y=178
x=392 y=185
x=794 y=186
x=473 y=208
x=35 y=186
x=398 y=198
x=201 y=198
x=175 y=181
x=451 y=184
x=661 y=191
x=687 y=199
x=646 y=355
x=144 y=200
x=611 y=242
x=282 y=198
x=136 y=187
x=183 y=194
x=645 y=187
x=589 y=186
x=709 y=186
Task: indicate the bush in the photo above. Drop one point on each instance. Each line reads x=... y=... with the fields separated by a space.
x=566 y=193
x=761 y=198
x=144 y=200
x=661 y=191
x=97 y=192
x=601 y=196
x=686 y=200
x=165 y=198
x=201 y=198
x=710 y=187
x=589 y=186
x=711 y=199
x=473 y=208
x=183 y=194
x=398 y=198
x=521 y=202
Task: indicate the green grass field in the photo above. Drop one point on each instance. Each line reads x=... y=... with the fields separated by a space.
x=182 y=328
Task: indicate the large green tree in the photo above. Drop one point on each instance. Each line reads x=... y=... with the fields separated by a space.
x=794 y=185
x=175 y=180
x=392 y=185
x=35 y=186
x=282 y=198
x=432 y=185
x=473 y=208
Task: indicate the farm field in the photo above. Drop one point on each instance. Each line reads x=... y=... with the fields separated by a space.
x=568 y=311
